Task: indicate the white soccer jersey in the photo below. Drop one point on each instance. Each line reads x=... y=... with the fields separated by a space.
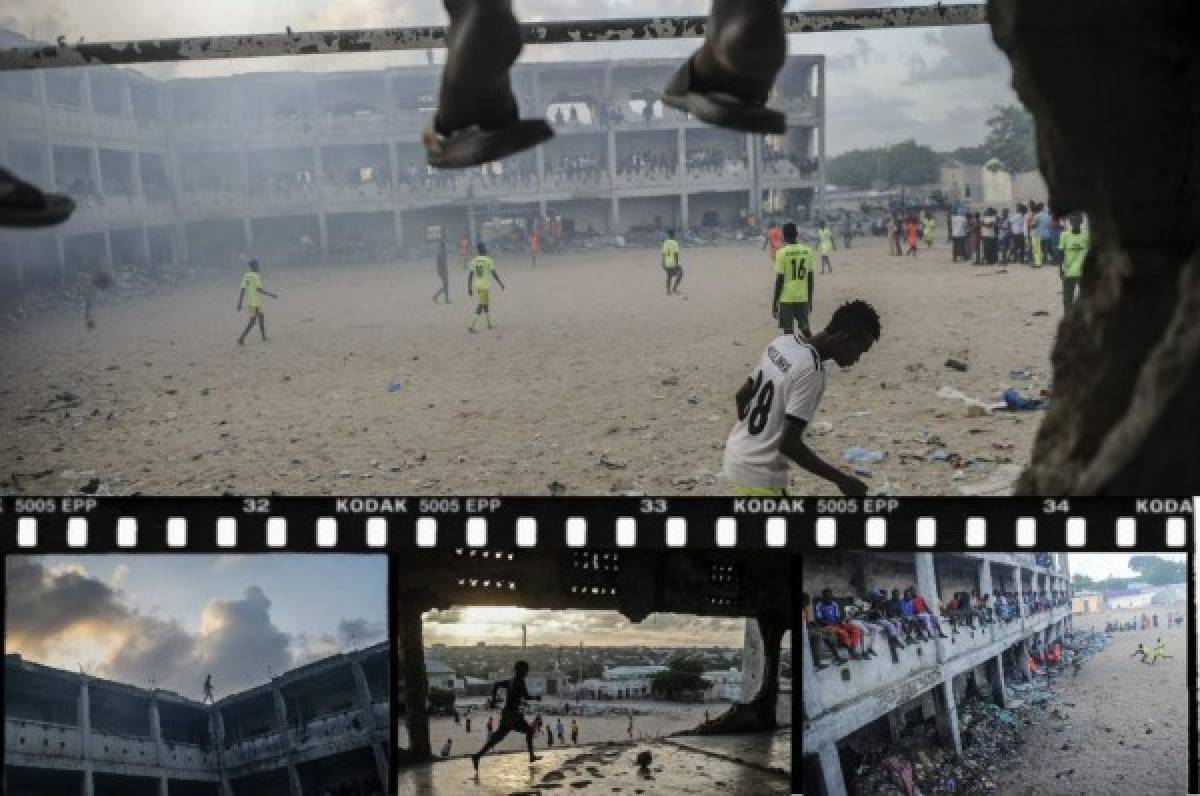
x=789 y=380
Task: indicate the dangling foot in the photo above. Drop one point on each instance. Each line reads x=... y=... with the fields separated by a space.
x=475 y=762
x=475 y=145
x=534 y=758
x=24 y=205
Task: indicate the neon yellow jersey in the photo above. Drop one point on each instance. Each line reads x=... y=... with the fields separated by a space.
x=826 y=238
x=930 y=226
x=482 y=268
x=1074 y=247
x=794 y=261
x=670 y=253
x=252 y=283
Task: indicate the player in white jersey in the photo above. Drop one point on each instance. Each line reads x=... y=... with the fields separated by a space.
x=778 y=402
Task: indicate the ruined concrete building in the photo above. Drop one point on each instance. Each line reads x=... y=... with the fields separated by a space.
x=306 y=731
x=300 y=166
x=867 y=700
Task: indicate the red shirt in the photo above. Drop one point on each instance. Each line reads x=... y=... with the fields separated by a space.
x=775 y=241
x=919 y=605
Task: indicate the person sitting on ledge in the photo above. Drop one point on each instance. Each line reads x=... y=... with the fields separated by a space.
x=818 y=633
x=829 y=614
x=921 y=611
x=891 y=627
x=984 y=609
x=909 y=617
x=856 y=611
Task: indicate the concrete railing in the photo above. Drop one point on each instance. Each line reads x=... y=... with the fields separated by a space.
x=42 y=739
x=252 y=750
x=116 y=748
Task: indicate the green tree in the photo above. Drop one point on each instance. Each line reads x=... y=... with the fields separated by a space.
x=1158 y=571
x=973 y=155
x=682 y=677
x=910 y=163
x=1080 y=581
x=856 y=168
x=1010 y=138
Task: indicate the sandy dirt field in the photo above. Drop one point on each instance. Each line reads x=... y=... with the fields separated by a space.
x=595 y=380
x=651 y=720
x=1127 y=729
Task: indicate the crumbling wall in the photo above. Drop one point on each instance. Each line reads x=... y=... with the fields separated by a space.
x=1114 y=88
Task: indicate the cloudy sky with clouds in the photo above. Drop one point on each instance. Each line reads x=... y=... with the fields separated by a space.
x=1099 y=566
x=935 y=85
x=171 y=619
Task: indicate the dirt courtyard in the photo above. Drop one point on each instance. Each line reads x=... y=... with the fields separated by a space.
x=595 y=381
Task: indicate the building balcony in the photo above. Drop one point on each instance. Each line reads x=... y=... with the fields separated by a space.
x=206 y=130
x=797 y=108
x=339 y=127
x=506 y=185
x=577 y=183
x=199 y=200
x=41 y=739
x=252 y=751
x=349 y=728
x=784 y=174
x=732 y=175
x=124 y=749
x=351 y=196
x=283 y=131
x=654 y=181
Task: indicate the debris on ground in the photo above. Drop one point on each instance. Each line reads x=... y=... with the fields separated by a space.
x=863 y=455
x=956 y=364
x=1014 y=400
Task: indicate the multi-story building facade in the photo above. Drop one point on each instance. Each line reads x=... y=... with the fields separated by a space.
x=308 y=166
x=306 y=731
x=864 y=699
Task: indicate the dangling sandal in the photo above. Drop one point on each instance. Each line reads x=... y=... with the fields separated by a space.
x=474 y=146
x=720 y=108
x=24 y=205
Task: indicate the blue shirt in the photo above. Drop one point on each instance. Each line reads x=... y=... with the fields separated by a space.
x=906 y=607
x=828 y=612
x=1041 y=224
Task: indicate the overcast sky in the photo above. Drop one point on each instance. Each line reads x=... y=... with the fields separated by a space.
x=1110 y=565
x=171 y=619
x=935 y=85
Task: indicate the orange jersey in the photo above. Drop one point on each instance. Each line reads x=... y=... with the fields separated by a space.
x=774 y=241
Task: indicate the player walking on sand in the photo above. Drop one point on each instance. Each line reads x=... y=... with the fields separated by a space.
x=670 y=263
x=827 y=245
x=793 y=283
x=252 y=286
x=510 y=716
x=773 y=241
x=777 y=403
x=479 y=284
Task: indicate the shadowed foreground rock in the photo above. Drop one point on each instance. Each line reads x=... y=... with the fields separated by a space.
x=1114 y=88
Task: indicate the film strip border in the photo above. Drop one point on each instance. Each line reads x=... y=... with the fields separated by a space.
x=375 y=524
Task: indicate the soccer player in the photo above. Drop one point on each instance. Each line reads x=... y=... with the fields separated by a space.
x=826 y=244
x=440 y=263
x=88 y=282
x=773 y=241
x=510 y=715
x=251 y=286
x=778 y=402
x=464 y=251
x=479 y=284
x=535 y=245
x=793 y=283
x=1074 y=246
x=930 y=229
x=1141 y=650
x=670 y=263
x=1160 y=651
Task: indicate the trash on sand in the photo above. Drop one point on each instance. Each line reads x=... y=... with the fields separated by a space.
x=953 y=394
x=863 y=471
x=1021 y=373
x=1040 y=314
x=1003 y=446
x=1015 y=401
x=557 y=488
x=974 y=410
x=955 y=364
x=939 y=455
x=857 y=454
x=863 y=413
x=1000 y=483
x=395 y=386
x=821 y=427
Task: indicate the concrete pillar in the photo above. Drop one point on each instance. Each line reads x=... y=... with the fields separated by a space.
x=248 y=235
x=753 y=661
x=820 y=129
x=363 y=693
x=947 y=719
x=135 y=166
x=831 y=770
x=94 y=170
x=808 y=683
x=108 y=249
x=226 y=787
x=985 y=577
x=997 y=677
x=398 y=228
x=540 y=157
x=323 y=232
x=160 y=748
x=1020 y=601
x=163 y=789
x=614 y=216
x=683 y=217
x=611 y=140
x=144 y=245
x=416 y=680
x=83 y=709
x=179 y=242
x=281 y=720
x=89 y=785
x=85 y=85
x=1023 y=664
x=381 y=764
x=60 y=255
x=294 y=781
x=927 y=588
